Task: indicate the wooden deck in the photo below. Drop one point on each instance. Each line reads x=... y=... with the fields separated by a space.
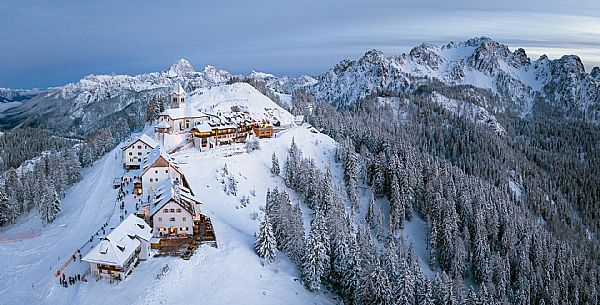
x=186 y=246
x=203 y=234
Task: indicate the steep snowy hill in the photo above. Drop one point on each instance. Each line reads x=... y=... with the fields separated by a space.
x=99 y=100
x=527 y=87
x=223 y=97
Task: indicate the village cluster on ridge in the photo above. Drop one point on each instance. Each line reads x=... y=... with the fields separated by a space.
x=165 y=215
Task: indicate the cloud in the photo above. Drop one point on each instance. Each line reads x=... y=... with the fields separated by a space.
x=52 y=42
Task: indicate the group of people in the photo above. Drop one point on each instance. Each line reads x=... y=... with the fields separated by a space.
x=71 y=280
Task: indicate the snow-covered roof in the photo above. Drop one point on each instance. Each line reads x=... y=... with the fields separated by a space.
x=144 y=138
x=163 y=124
x=182 y=113
x=203 y=127
x=153 y=156
x=118 y=246
x=181 y=195
x=177 y=89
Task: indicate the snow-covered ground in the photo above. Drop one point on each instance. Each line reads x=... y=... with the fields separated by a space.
x=223 y=97
x=231 y=274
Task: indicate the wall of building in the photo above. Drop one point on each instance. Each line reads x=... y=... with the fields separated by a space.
x=134 y=154
x=162 y=220
x=154 y=177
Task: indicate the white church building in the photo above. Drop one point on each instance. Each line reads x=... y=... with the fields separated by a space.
x=181 y=116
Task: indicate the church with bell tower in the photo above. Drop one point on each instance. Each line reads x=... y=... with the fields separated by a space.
x=181 y=116
x=178 y=97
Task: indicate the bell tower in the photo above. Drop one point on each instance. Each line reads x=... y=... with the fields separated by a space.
x=178 y=97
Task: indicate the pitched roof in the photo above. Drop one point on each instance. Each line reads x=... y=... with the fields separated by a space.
x=118 y=246
x=182 y=113
x=203 y=127
x=163 y=124
x=144 y=138
x=154 y=157
x=177 y=89
x=168 y=192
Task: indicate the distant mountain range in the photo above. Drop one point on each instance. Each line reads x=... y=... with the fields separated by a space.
x=495 y=78
x=558 y=87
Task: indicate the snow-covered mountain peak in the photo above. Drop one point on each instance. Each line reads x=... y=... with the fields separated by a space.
x=516 y=80
x=180 y=68
x=260 y=75
x=372 y=56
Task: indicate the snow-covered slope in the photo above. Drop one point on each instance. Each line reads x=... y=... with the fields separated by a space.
x=223 y=97
x=231 y=274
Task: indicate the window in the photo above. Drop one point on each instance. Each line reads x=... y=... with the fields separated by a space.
x=139 y=153
x=152 y=188
x=172 y=210
x=166 y=211
x=184 y=218
x=172 y=219
x=160 y=219
x=178 y=210
x=166 y=171
x=156 y=171
x=156 y=179
x=161 y=229
x=131 y=153
x=182 y=99
x=139 y=146
x=184 y=228
x=174 y=99
x=151 y=180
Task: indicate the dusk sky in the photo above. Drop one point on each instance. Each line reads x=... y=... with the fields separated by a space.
x=53 y=42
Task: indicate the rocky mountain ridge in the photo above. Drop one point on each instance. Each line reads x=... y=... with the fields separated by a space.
x=558 y=87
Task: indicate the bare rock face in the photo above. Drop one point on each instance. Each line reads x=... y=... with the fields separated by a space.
x=595 y=73
x=519 y=58
x=487 y=56
x=425 y=55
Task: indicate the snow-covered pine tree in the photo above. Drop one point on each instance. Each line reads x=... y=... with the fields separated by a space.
x=405 y=289
x=54 y=205
x=232 y=185
x=266 y=244
x=295 y=243
x=315 y=258
x=432 y=244
x=326 y=200
x=5 y=208
x=73 y=166
x=376 y=288
x=351 y=174
x=44 y=203
x=274 y=165
x=471 y=298
x=313 y=186
x=397 y=212
x=153 y=109
x=352 y=272
x=370 y=216
x=378 y=180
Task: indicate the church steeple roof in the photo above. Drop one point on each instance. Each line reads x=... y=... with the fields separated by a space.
x=177 y=89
